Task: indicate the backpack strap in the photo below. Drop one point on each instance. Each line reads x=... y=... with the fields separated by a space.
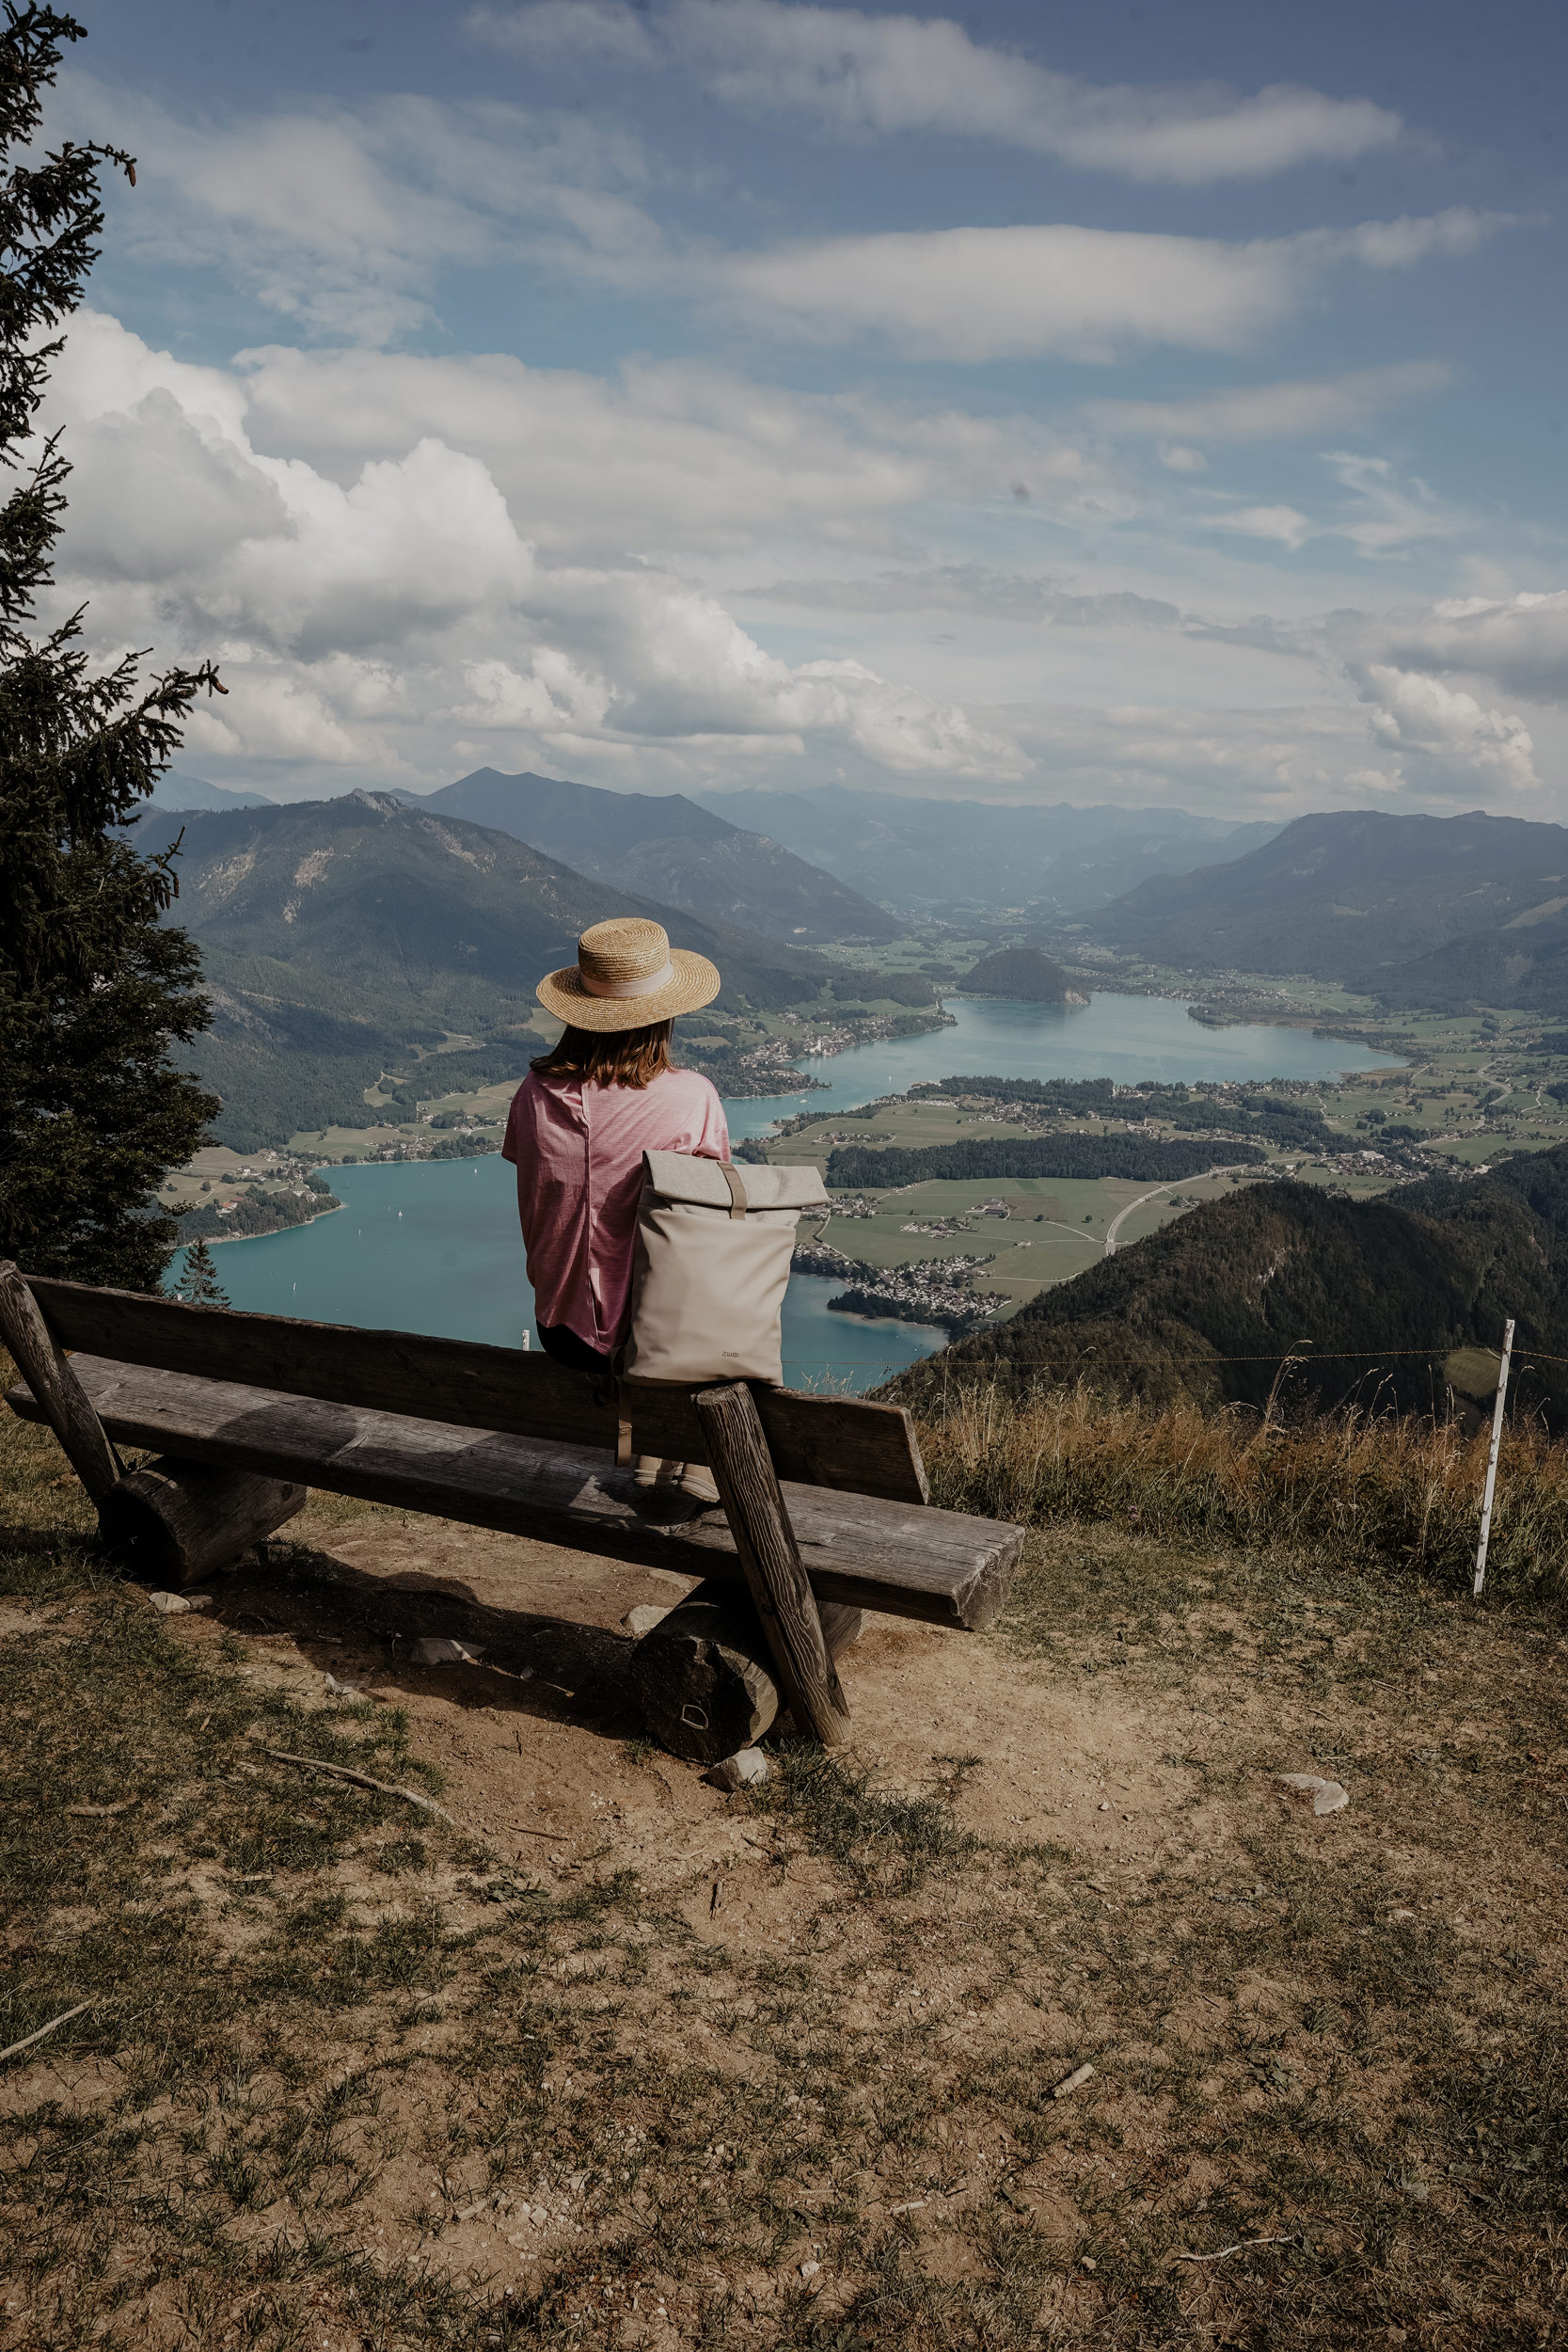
x=737 y=1190
x=606 y=1391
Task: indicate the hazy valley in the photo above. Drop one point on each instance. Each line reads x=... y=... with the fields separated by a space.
x=372 y=963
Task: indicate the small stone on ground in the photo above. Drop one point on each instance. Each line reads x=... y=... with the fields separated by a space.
x=742 y=1770
x=434 y=1649
x=1327 y=1796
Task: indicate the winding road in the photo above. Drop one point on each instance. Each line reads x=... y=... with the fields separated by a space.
x=1122 y=1215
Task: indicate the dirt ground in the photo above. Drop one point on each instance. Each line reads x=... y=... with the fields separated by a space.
x=640 y=2063
x=539 y=1744
x=547 y=1753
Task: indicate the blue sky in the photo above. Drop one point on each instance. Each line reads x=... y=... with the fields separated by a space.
x=1130 y=404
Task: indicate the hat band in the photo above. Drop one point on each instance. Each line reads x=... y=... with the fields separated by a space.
x=626 y=988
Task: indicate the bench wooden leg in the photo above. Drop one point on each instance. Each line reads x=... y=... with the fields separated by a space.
x=179 y=1520
x=705 y=1679
x=749 y=1490
x=56 y=1387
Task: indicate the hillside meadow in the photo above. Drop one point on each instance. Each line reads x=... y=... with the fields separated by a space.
x=596 y=2056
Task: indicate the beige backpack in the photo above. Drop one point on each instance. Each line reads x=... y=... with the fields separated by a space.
x=714 y=1242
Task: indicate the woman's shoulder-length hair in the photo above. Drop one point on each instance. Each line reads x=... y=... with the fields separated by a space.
x=609 y=1057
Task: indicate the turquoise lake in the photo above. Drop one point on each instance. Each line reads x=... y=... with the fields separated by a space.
x=1124 y=1037
x=434 y=1245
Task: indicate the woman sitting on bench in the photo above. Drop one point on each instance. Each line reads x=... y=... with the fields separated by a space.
x=581 y=1122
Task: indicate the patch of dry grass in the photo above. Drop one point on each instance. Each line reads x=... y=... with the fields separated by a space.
x=1354 y=1485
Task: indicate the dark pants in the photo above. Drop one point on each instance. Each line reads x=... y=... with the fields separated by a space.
x=562 y=1345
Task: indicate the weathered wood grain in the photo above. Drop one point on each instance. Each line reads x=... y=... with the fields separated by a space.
x=60 y=1392
x=704 y=1676
x=842 y=1442
x=179 y=1520
x=908 y=1559
x=771 y=1561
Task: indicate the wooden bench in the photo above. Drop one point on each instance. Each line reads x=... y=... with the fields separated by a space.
x=824 y=1500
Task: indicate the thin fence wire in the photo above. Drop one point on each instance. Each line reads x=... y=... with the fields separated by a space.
x=1303 y=1353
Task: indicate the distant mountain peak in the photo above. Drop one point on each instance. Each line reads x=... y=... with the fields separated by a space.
x=666 y=847
x=976 y=861
x=1409 y=908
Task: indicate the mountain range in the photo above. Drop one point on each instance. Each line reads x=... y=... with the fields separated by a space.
x=176 y=792
x=825 y=863
x=972 y=860
x=1436 y=912
x=663 y=846
x=338 y=937
x=1374 y=1297
x=342 y=936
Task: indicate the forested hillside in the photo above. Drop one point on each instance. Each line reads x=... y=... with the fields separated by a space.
x=1026 y=972
x=1294 y=1125
x=1421 y=909
x=1375 y=1296
x=1522 y=963
x=858 y=1166
x=663 y=846
x=337 y=935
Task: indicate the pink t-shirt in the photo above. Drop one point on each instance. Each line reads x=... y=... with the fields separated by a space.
x=578 y=1153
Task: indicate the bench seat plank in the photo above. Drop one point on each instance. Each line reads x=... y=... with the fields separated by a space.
x=837 y=1441
x=907 y=1559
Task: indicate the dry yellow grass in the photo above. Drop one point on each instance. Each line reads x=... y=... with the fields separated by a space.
x=1400 y=1491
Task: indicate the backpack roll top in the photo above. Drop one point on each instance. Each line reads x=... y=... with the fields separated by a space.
x=714 y=1243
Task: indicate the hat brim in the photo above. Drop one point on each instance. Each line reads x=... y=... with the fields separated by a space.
x=695 y=983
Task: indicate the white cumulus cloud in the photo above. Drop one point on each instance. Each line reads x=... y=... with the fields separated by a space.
x=1519 y=644
x=376 y=615
x=1449 y=744
x=678 y=454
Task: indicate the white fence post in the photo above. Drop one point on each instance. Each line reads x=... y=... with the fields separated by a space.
x=1492 y=1460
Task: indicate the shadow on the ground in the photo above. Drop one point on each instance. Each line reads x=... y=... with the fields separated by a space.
x=533 y=1664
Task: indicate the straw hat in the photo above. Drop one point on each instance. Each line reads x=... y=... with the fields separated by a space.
x=628 y=975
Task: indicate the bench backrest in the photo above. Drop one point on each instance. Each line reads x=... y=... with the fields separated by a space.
x=843 y=1442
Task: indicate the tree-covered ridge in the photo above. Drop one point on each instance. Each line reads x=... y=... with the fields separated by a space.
x=854 y=1166
x=1272 y=1118
x=665 y=847
x=915 y=989
x=1372 y=1296
x=1027 y=973
x=311 y=915
x=1433 y=913
x=94 y=988
x=253 y=1212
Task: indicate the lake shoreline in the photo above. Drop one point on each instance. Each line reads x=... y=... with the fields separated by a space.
x=433 y=1246
x=295 y=1225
